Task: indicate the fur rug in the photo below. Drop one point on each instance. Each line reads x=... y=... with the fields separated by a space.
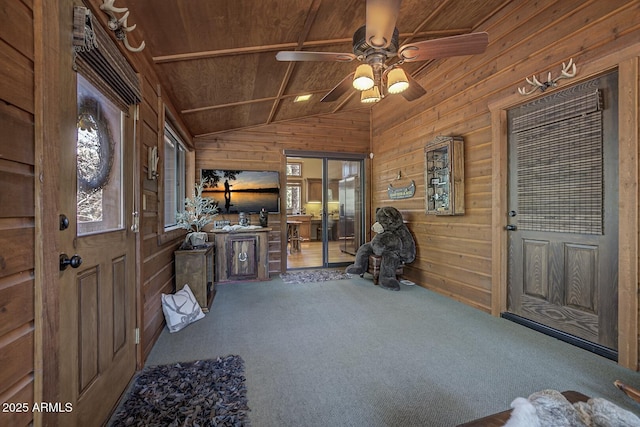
x=310 y=276
x=200 y=393
x=551 y=408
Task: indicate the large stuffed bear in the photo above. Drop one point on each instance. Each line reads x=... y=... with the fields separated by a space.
x=393 y=242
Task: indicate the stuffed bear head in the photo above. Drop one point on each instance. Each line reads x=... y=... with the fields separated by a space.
x=387 y=219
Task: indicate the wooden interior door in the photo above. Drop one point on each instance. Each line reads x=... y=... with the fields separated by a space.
x=97 y=313
x=563 y=208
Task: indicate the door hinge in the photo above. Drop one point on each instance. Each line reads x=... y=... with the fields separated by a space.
x=137 y=335
x=135 y=223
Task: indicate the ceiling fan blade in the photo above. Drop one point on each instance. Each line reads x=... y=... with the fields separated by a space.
x=464 y=44
x=300 y=55
x=340 y=89
x=414 y=91
x=381 y=21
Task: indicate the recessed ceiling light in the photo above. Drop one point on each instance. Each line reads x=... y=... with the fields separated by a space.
x=302 y=98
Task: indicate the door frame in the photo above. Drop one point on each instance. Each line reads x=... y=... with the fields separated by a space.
x=55 y=114
x=626 y=62
x=325 y=157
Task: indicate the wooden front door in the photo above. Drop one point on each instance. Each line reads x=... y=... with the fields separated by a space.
x=97 y=300
x=563 y=209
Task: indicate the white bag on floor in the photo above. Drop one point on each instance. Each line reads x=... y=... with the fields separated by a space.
x=181 y=309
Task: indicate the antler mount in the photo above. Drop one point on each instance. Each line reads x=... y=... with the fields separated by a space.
x=568 y=71
x=119 y=25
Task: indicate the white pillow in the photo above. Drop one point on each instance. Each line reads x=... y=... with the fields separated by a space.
x=180 y=309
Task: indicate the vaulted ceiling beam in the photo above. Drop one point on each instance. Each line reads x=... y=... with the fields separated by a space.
x=249 y=101
x=311 y=16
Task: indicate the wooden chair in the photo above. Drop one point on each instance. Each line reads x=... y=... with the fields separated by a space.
x=374 y=268
x=293 y=236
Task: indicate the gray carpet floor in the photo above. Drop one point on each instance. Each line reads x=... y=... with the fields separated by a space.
x=348 y=353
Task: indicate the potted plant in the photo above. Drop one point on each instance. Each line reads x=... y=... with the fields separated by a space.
x=198 y=212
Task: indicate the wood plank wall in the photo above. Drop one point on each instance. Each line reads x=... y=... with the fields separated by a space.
x=455 y=253
x=156 y=255
x=261 y=148
x=17 y=211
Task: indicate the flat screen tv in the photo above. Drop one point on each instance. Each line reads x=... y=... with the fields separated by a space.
x=243 y=191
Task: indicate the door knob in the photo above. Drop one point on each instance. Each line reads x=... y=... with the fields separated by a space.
x=65 y=261
x=512 y=227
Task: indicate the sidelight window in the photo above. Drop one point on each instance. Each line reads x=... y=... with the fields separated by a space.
x=174 y=176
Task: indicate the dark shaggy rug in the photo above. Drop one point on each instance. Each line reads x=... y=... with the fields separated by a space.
x=200 y=393
x=309 y=276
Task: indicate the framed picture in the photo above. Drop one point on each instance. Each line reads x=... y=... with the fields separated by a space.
x=444 y=175
x=243 y=191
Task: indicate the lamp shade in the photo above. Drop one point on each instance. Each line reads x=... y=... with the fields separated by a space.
x=397 y=81
x=363 y=78
x=370 y=95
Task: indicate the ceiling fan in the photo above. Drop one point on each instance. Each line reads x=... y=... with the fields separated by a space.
x=375 y=43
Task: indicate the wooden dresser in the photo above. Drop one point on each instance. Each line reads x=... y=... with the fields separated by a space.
x=241 y=254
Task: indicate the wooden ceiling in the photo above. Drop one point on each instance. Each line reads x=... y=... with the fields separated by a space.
x=216 y=58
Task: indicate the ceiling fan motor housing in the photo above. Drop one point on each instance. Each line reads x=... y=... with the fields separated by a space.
x=362 y=49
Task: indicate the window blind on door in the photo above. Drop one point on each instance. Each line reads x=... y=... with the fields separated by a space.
x=560 y=164
x=99 y=60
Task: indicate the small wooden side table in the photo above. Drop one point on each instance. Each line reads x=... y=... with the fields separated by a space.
x=196 y=267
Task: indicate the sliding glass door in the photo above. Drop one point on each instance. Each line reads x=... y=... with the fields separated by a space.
x=325 y=203
x=344 y=206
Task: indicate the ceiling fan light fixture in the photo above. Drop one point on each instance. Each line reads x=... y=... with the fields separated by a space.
x=363 y=78
x=370 y=95
x=397 y=81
